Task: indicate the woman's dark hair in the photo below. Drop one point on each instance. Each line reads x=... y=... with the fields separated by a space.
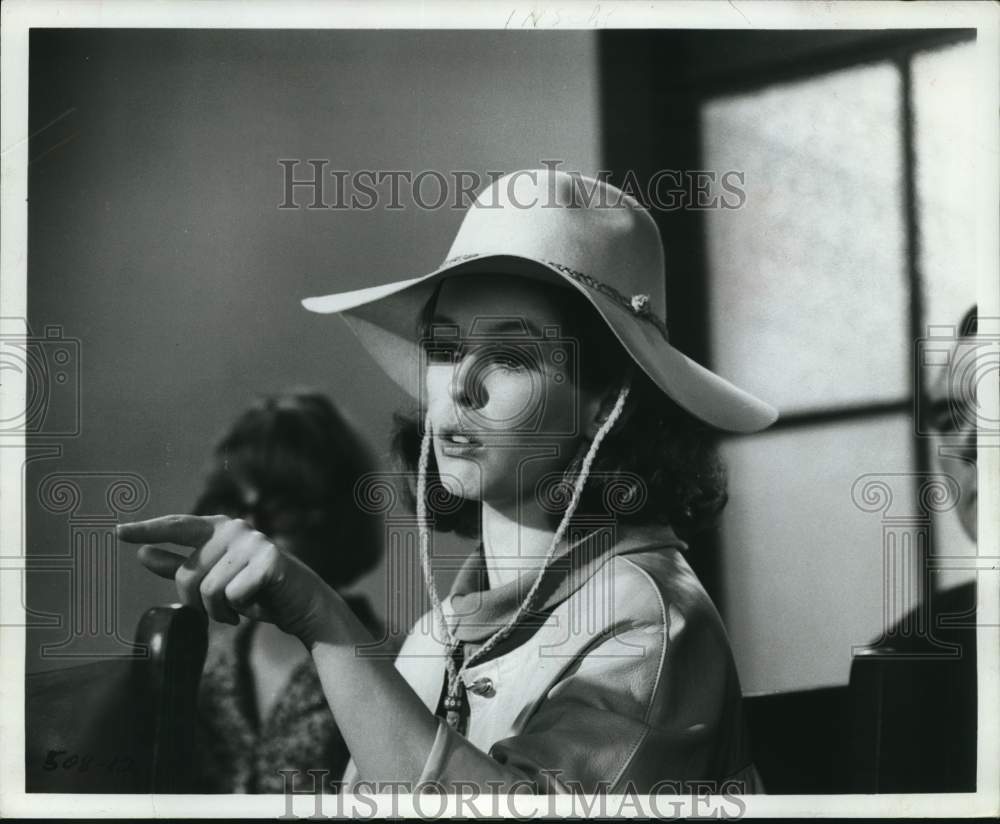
x=658 y=464
x=289 y=464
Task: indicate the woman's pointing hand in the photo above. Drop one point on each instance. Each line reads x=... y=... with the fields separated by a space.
x=233 y=570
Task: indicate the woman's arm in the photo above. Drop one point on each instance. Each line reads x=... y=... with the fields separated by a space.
x=236 y=570
x=386 y=726
x=638 y=719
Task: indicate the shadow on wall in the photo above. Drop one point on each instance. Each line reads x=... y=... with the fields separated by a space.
x=156 y=242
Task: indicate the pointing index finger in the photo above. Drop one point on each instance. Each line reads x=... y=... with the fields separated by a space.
x=184 y=530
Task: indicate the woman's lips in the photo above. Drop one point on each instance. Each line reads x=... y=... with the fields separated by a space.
x=458 y=444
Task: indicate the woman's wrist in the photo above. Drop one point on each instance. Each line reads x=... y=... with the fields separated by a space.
x=330 y=621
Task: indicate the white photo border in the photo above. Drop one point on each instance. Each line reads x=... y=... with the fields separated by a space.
x=20 y=16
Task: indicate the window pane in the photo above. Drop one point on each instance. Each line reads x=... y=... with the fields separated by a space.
x=944 y=92
x=803 y=564
x=808 y=284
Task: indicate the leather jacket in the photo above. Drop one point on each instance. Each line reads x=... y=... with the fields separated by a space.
x=627 y=685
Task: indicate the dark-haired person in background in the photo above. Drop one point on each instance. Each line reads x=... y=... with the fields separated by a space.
x=287 y=466
x=946 y=754
x=916 y=701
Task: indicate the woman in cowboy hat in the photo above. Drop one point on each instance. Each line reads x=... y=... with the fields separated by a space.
x=576 y=651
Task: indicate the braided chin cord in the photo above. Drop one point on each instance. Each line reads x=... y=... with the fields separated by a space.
x=452 y=643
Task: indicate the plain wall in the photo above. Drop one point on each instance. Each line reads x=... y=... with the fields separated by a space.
x=155 y=237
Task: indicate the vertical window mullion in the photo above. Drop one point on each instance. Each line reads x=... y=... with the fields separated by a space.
x=914 y=277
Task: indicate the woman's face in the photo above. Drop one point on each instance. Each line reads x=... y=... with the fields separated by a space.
x=502 y=388
x=283 y=518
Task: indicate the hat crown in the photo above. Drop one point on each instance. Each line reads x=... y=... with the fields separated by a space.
x=586 y=232
x=570 y=220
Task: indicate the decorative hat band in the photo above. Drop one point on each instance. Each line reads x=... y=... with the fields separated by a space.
x=637 y=304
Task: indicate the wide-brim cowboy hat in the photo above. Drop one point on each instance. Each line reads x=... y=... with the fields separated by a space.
x=569 y=229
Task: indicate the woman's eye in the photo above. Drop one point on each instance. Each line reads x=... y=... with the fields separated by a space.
x=505 y=359
x=483 y=355
x=510 y=363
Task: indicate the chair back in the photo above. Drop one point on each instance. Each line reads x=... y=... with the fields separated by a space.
x=120 y=725
x=798 y=741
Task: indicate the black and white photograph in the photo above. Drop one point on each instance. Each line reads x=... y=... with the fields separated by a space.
x=482 y=410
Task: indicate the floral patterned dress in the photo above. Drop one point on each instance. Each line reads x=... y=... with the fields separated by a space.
x=237 y=751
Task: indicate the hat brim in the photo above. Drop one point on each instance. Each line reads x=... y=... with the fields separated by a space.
x=385 y=319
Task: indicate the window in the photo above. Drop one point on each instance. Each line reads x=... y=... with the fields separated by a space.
x=855 y=237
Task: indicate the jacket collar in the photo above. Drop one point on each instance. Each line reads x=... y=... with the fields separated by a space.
x=475 y=611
